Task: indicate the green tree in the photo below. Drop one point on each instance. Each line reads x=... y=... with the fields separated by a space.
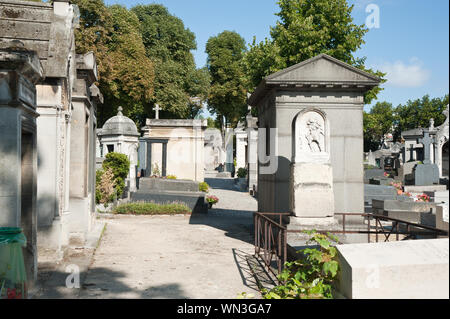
x=417 y=113
x=168 y=44
x=125 y=73
x=378 y=122
x=307 y=28
x=228 y=94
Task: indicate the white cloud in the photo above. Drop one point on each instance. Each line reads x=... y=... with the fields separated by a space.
x=409 y=75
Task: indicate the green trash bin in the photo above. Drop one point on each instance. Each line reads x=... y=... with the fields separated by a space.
x=13 y=276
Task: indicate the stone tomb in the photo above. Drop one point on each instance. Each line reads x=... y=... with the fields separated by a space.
x=20 y=70
x=164 y=191
x=174 y=147
x=380 y=192
x=119 y=134
x=411 y=269
x=328 y=95
x=414 y=212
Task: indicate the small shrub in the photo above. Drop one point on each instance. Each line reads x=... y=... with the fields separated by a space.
x=312 y=275
x=98 y=180
x=242 y=173
x=120 y=166
x=104 y=191
x=203 y=187
x=143 y=208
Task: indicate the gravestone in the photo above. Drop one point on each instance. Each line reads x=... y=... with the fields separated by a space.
x=427 y=173
x=371 y=160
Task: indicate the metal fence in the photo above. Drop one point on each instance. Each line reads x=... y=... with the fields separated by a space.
x=271 y=235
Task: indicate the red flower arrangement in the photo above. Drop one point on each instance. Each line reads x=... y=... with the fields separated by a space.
x=423 y=198
x=12 y=293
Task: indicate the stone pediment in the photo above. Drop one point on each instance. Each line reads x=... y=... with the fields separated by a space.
x=322 y=69
x=322 y=72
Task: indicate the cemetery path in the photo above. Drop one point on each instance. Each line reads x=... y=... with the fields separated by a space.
x=188 y=257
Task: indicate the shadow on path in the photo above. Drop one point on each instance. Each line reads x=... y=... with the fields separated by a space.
x=236 y=224
x=104 y=283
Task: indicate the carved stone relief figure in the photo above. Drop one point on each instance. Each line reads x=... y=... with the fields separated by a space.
x=315 y=136
x=311 y=133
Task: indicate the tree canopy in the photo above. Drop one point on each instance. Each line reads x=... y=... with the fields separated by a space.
x=383 y=118
x=168 y=45
x=125 y=73
x=307 y=28
x=228 y=94
x=144 y=58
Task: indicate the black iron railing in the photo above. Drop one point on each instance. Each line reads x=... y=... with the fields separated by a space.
x=271 y=234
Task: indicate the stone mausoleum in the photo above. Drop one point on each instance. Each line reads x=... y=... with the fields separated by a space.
x=20 y=70
x=66 y=100
x=314 y=111
x=173 y=147
x=119 y=134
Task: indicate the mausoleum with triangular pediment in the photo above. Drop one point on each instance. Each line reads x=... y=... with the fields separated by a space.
x=315 y=111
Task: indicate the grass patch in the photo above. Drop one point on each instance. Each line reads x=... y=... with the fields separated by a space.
x=143 y=208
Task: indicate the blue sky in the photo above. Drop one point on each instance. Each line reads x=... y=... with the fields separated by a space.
x=411 y=43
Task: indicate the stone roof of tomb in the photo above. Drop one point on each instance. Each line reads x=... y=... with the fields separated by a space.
x=319 y=73
x=41 y=28
x=119 y=125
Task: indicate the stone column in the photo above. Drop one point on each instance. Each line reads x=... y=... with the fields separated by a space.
x=252 y=153
x=241 y=142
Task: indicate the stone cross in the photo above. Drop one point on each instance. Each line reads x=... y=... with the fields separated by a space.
x=426 y=141
x=157 y=109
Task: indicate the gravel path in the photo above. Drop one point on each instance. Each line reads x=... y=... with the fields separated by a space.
x=189 y=257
